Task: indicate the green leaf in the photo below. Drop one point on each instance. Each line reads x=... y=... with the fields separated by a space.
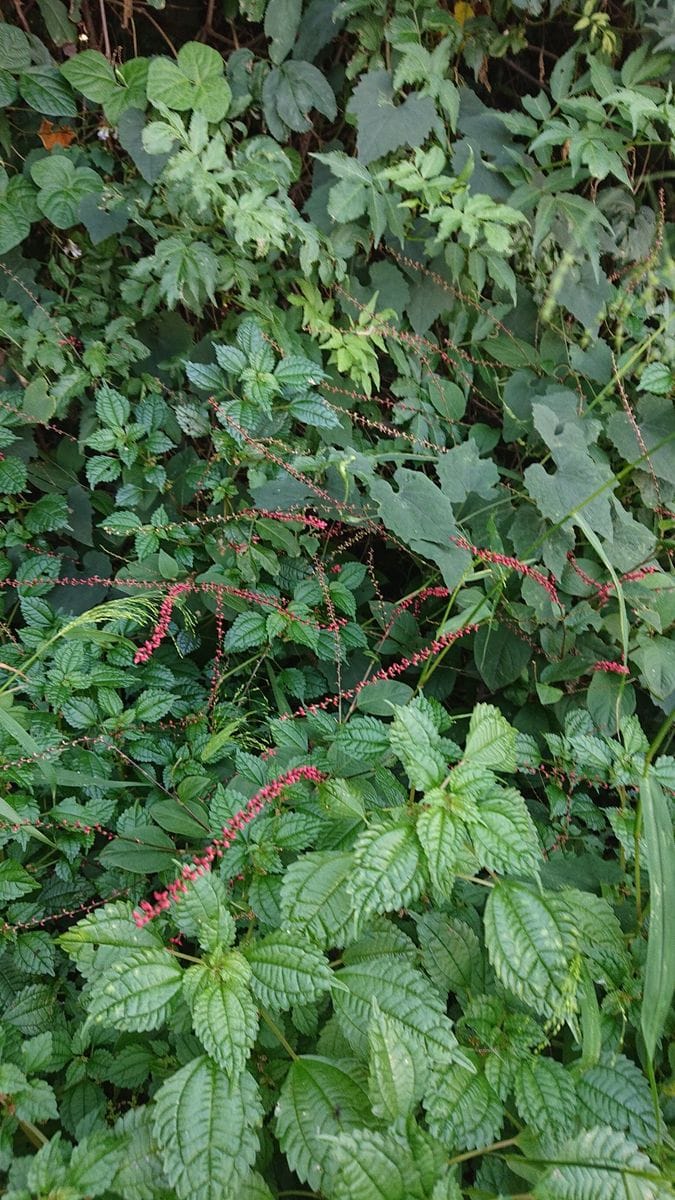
x=195 y=81
x=112 y=408
x=13 y=475
x=451 y=954
x=290 y=91
x=491 y=741
x=504 y=835
x=393 y=1082
x=62 y=187
x=500 y=655
x=153 y=704
x=8 y=89
x=660 y=966
x=224 y=1016
x=614 y=1092
x=231 y=359
x=248 y=629
x=316 y=898
x=287 y=971
x=415 y=740
x=140 y=1174
x=60 y=28
x=136 y=991
x=202 y=912
x=15 y=48
x=143 y=850
x=600 y=1164
x=102 y=217
x=298 y=373
x=440 y=834
x=402 y=994
x=205 y=1125
x=15 y=881
x=656 y=378
x=370 y=1165
x=384 y=126
x=531 y=938
x=319 y=1099
x=463 y=1111
x=545 y=1096
x=387 y=871
x=44 y=90
x=90 y=73
x=282 y=20
x=93 y=1163
x=112 y=925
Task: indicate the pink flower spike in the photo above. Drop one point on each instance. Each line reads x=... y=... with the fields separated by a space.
x=614 y=668
x=201 y=863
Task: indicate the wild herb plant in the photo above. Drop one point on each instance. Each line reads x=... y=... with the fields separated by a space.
x=336 y=595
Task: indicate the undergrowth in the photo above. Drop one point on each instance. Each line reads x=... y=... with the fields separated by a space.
x=337 y=480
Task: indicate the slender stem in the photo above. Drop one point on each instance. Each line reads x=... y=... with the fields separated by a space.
x=187 y=957
x=482 y=1150
x=104 y=30
x=274 y=1028
x=34 y=1135
x=659 y=739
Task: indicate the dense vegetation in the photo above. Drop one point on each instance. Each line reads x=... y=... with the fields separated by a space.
x=337 y=478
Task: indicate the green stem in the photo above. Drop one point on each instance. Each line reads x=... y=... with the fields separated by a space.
x=482 y=1150
x=274 y=1028
x=34 y=1135
x=659 y=739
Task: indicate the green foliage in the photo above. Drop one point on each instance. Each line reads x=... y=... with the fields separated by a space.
x=336 y=601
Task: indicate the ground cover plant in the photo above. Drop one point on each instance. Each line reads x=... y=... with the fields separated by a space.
x=337 y=482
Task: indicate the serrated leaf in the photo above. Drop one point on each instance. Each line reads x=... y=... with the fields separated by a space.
x=224 y=1016
x=136 y=991
x=395 y=1079
x=94 y=1161
x=615 y=1092
x=387 y=871
x=504 y=835
x=248 y=629
x=112 y=407
x=462 y=1109
x=491 y=741
x=370 y=1165
x=203 y=912
x=545 y=1096
x=298 y=373
x=601 y=1164
x=231 y=359
x=415 y=740
x=13 y=475
x=451 y=953
x=402 y=994
x=140 y=1174
x=440 y=835
x=15 y=881
x=287 y=971
x=205 y=1125
x=142 y=850
x=384 y=126
x=531 y=938
x=290 y=91
x=315 y=896
x=319 y=1099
